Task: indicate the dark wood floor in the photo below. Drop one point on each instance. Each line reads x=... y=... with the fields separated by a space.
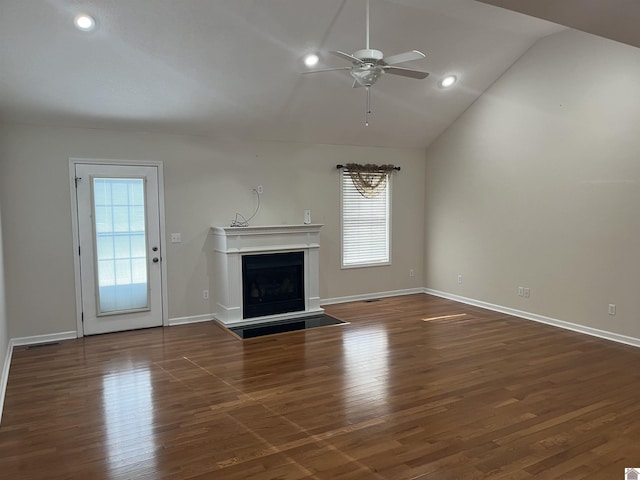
x=390 y=396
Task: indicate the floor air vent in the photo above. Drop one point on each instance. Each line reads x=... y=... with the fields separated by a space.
x=40 y=345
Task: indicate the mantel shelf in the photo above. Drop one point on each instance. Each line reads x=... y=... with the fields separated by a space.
x=268 y=229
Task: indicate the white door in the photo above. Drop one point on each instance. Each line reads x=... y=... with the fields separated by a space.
x=120 y=255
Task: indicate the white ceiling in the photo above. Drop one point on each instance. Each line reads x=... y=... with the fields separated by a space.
x=231 y=67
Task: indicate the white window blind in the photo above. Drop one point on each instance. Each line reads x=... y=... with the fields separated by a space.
x=365 y=226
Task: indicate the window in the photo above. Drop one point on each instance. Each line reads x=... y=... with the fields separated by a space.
x=366 y=225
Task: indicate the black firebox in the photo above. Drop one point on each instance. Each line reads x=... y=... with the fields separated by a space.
x=272 y=283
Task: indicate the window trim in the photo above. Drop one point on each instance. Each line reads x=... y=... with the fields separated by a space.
x=389 y=192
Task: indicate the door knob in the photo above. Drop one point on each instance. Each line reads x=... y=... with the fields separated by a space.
x=155 y=249
x=155 y=260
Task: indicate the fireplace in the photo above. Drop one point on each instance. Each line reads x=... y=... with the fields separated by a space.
x=272 y=283
x=291 y=290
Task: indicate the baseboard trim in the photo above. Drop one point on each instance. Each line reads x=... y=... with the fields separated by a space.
x=48 y=338
x=207 y=317
x=369 y=296
x=594 y=332
x=5 y=376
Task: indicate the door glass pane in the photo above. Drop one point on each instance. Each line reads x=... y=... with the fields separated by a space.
x=121 y=244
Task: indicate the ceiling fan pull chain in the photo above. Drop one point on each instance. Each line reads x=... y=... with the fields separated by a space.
x=366 y=116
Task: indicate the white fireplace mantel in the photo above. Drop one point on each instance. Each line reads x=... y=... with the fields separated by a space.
x=231 y=243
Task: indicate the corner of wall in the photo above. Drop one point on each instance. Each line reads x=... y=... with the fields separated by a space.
x=6 y=348
x=4 y=376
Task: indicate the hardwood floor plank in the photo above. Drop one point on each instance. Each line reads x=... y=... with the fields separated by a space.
x=468 y=394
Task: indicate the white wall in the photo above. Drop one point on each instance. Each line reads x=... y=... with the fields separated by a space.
x=536 y=185
x=206 y=181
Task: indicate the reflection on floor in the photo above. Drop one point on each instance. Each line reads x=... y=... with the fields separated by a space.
x=127 y=409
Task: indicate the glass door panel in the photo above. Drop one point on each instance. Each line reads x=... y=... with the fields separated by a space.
x=121 y=245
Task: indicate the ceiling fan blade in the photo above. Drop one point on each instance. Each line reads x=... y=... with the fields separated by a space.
x=346 y=56
x=406 y=72
x=403 y=57
x=326 y=70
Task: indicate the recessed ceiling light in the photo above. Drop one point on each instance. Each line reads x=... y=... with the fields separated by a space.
x=84 y=22
x=448 y=81
x=311 y=60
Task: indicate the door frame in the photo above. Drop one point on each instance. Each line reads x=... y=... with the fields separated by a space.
x=76 y=233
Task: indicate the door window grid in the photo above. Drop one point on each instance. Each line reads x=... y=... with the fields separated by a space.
x=120 y=243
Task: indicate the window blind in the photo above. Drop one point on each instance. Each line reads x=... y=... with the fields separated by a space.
x=365 y=226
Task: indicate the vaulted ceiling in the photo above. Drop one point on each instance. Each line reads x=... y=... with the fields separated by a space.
x=613 y=19
x=232 y=67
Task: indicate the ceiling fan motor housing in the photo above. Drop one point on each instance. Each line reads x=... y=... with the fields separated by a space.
x=369 y=55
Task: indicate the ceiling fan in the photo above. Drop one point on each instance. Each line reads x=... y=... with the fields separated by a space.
x=368 y=65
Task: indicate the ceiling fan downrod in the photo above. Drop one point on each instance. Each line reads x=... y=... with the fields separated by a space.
x=367 y=42
x=368 y=108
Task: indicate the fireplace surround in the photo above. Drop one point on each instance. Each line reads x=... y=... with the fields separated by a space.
x=234 y=247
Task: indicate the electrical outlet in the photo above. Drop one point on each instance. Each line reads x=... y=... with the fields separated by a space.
x=459 y=279
x=176 y=238
x=612 y=309
x=205 y=294
x=259 y=189
x=521 y=291
x=527 y=292
x=412 y=273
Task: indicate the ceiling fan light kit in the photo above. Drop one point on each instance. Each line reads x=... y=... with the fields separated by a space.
x=366 y=74
x=368 y=65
